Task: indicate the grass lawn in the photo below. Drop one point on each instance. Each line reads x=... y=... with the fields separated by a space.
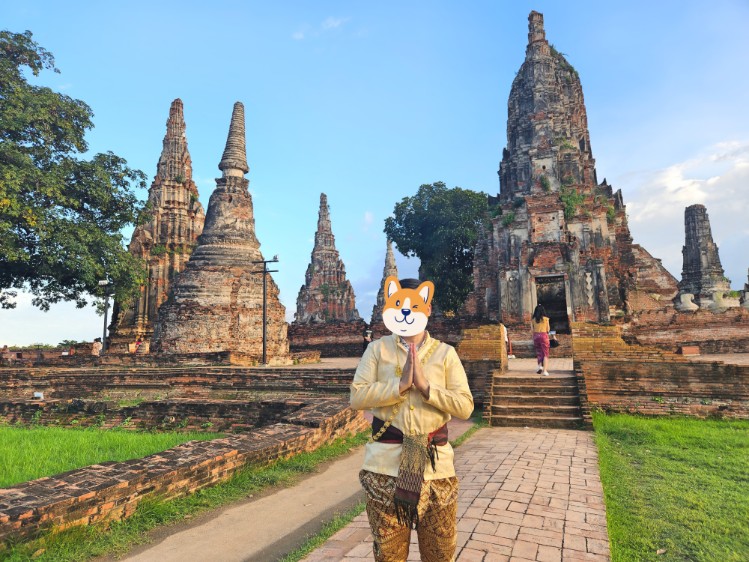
x=678 y=486
x=27 y=453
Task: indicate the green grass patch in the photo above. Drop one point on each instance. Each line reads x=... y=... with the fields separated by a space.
x=329 y=529
x=675 y=484
x=82 y=543
x=28 y=453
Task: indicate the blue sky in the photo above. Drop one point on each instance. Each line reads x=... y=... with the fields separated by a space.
x=366 y=101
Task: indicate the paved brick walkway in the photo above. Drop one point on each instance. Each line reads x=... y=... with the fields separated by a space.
x=525 y=495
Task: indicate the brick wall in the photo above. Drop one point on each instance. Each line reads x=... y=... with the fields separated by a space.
x=712 y=332
x=331 y=339
x=614 y=375
x=482 y=352
x=171 y=415
x=113 y=490
x=199 y=381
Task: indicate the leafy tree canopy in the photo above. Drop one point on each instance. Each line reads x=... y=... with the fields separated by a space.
x=60 y=214
x=440 y=226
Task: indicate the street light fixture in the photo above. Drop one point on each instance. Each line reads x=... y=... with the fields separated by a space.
x=265 y=271
x=104 y=283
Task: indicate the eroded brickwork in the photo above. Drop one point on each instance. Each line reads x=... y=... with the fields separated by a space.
x=166 y=240
x=557 y=236
x=216 y=304
x=711 y=332
x=702 y=274
x=614 y=375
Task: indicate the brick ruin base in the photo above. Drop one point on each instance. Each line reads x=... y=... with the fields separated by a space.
x=330 y=339
x=617 y=376
x=112 y=490
x=712 y=332
x=164 y=415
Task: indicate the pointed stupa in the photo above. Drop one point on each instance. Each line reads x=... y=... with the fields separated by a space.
x=234 y=160
x=166 y=240
x=216 y=304
x=390 y=269
x=326 y=296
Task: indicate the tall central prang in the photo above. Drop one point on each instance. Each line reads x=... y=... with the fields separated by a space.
x=557 y=236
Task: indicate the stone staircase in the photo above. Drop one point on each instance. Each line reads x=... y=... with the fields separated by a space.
x=520 y=399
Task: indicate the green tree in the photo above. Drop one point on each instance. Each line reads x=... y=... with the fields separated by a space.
x=61 y=215
x=440 y=226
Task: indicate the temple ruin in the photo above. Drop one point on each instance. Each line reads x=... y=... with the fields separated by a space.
x=557 y=236
x=165 y=241
x=326 y=319
x=216 y=304
x=702 y=277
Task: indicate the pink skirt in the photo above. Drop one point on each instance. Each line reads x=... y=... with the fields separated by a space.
x=541 y=343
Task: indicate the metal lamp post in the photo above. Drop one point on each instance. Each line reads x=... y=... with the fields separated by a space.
x=265 y=271
x=104 y=283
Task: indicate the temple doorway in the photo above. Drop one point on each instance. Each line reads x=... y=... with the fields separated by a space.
x=551 y=293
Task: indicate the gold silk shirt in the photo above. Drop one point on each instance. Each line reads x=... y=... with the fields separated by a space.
x=375 y=388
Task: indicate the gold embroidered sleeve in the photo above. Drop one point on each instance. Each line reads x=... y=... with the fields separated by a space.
x=369 y=392
x=455 y=397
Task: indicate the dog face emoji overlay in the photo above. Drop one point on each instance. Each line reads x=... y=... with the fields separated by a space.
x=407 y=311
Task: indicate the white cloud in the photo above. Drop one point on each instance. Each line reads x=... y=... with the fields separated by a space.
x=26 y=324
x=328 y=24
x=717 y=177
x=333 y=23
x=368 y=220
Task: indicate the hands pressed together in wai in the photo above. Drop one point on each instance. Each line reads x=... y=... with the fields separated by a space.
x=413 y=374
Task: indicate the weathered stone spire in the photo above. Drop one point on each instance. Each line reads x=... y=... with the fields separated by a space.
x=702 y=274
x=231 y=215
x=326 y=294
x=536 y=33
x=234 y=160
x=175 y=162
x=548 y=143
x=166 y=240
x=324 y=239
x=390 y=269
x=216 y=304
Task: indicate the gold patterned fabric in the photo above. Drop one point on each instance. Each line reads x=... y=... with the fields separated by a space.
x=375 y=388
x=437 y=526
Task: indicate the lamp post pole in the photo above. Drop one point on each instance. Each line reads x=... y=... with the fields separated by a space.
x=265 y=271
x=104 y=283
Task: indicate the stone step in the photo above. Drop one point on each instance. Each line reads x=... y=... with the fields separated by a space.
x=533 y=378
x=534 y=390
x=535 y=410
x=557 y=422
x=569 y=399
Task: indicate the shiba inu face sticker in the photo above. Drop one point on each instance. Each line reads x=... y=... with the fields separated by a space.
x=407 y=311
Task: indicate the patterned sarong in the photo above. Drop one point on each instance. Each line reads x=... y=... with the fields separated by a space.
x=437 y=528
x=541 y=343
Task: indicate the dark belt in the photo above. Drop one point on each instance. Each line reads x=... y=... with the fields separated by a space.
x=394 y=435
